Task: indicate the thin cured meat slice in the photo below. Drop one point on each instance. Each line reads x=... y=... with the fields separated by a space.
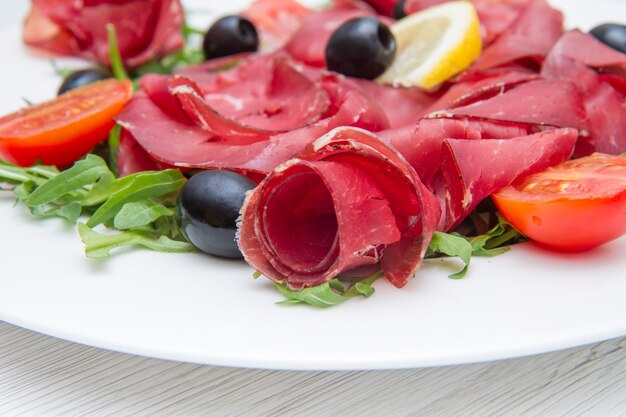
x=475 y=169
x=543 y=102
x=133 y=158
x=276 y=21
x=421 y=144
x=383 y=7
x=533 y=34
x=262 y=95
x=604 y=104
x=347 y=201
x=587 y=50
x=495 y=16
x=146 y=29
x=174 y=140
x=467 y=92
x=308 y=43
x=402 y=106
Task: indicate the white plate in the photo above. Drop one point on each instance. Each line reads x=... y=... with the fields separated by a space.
x=199 y=309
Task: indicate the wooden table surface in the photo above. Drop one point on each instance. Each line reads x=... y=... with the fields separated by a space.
x=44 y=376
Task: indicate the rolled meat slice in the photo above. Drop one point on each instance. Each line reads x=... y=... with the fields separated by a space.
x=346 y=201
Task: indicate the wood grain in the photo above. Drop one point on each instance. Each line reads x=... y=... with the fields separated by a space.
x=43 y=376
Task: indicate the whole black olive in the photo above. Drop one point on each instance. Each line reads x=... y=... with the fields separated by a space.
x=611 y=34
x=81 y=78
x=398 y=10
x=362 y=47
x=230 y=35
x=208 y=208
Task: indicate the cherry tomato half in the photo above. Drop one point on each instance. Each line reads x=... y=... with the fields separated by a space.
x=574 y=206
x=60 y=131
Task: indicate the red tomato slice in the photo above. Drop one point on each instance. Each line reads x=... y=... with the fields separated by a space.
x=60 y=131
x=573 y=206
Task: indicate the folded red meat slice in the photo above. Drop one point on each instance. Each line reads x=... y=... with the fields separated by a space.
x=421 y=144
x=587 y=50
x=469 y=91
x=531 y=35
x=146 y=29
x=174 y=132
x=276 y=21
x=474 y=169
x=308 y=43
x=604 y=103
x=402 y=106
x=495 y=16
x=383 y=7
x=133 y=158
x=345 y=202
x=543 y=102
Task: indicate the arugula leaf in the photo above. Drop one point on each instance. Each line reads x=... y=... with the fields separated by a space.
x=99 y=245
x=329 y=293
x=451 y=245
x=117 y=65
x=37 y=174
x=134 y=188
x=70 y=211
x=141 y=205
x=139 y=214
x=85 y=172
x=494 y=242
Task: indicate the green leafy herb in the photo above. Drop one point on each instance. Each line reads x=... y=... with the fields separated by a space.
x=136 y=187
x=329 y=293
x=140 y=205
x=61 y=72
x=99 y=245
x=73 y=183
x=140 y=213
x=451 y=245
x=497 y=240
x=494 y=242
x=117 y=65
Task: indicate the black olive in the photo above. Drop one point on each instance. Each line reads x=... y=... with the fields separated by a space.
x=362 y=47
x=611 y=34
x=398 y=10
x=83 y=77
x=230 y=35
x=208 y=208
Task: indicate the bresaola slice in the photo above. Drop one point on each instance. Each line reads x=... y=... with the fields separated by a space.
x=345 y=202
x=170 y=120
x=146 y=29
x=602 y=95
x=475 y=169
x=308 y=43
x=421 y=144
x=536 y=29
x=587 y=50
x=542 y=102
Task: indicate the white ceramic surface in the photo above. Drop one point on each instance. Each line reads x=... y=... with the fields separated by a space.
x=200 y=309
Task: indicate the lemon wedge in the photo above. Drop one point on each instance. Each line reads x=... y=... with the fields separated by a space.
x=434 y=45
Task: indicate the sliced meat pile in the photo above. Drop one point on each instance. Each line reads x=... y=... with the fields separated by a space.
x=146 y=29
x=250 y=118
x=354 y=174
